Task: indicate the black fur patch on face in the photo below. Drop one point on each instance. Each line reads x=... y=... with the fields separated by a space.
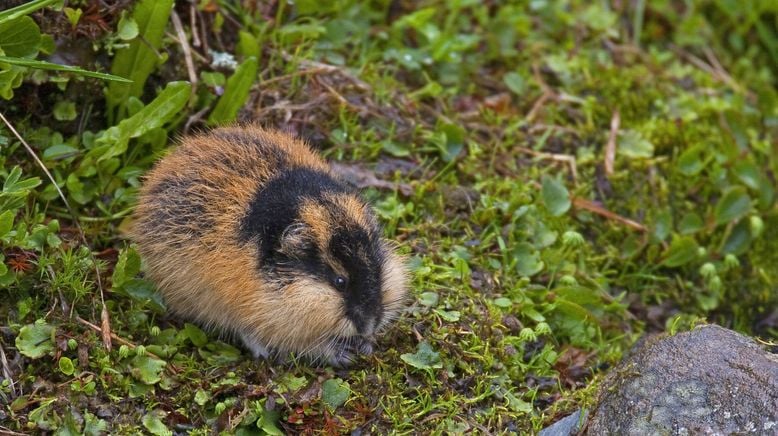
x=358 y=250
x=276 y=205
x=362 y=256
x=173 y=211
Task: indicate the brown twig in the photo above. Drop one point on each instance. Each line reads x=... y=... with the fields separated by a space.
x=104 y=317
x=195 y=117
x=714 y=68
x=7 y=374
x=292 y=75
x=544 y=127
x=5 y=431
x=416 y=333
x=204 y=35
x=584 y=204
x=566 y=158
x=183 y=40
x=548 y=94
x=309 y=64
x=538 y=105
x=285 y=106
x=193 y=24
x=610 y=147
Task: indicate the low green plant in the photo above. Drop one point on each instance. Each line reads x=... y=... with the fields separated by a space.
x=20 y=43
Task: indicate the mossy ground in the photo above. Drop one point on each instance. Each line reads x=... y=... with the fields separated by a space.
x=564 y=176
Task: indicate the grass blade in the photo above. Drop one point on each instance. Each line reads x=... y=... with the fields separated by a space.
x=137 y=61
x=43 y=65
x=236 y=93
x=24 y=9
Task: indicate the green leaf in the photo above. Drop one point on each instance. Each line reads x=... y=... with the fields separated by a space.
x=20 y=38
x=663 y=225
x=555 y=196
x=43 y=65
x=528 y=261
x=429 y=299
x=219 y=353
x=766 y=192
x=24 y=9
x=690 y=223
x=268 y=420
x=633 y=145
x=60 y=151
x=74 y=15
x=162 y=109
x=748 y=173
x=154 y=424
x=201 y=397
x=144 y=291
x=197 y=336
x=212 y=78
x=395 y=148
x=517 y=404
x=573 y=310
x=138 y=60
x=127 y=267
x=733 y=204
x=147 y=369
x=515 y=83
x=236 y=92
x=503 y=302
x=248 y=45
x=34 y=340
x=449 y=315
x=127 y=28
x=691 y=161
x=65 y=111
x=424 y=358
x=738 y=240
x=6 y=276
x=289 y=383
x=579 y=295
x=12 y=185
x=454 y=141
x=335 y=392
x=681 y=251
x=6 y=222
x=66 y=365
x=94 y=426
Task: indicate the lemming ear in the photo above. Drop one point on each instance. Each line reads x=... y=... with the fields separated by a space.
x=295 y=240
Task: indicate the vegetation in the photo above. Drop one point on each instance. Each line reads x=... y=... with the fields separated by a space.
x=564 y=176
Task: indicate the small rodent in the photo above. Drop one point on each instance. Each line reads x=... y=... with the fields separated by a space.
x=248 y=231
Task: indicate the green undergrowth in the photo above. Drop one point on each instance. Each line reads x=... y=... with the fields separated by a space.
x=564 y=176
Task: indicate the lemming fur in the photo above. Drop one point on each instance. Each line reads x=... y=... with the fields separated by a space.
x=247 y=230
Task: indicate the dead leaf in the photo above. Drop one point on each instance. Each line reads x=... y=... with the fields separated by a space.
x=105 y=329
x=610 y=147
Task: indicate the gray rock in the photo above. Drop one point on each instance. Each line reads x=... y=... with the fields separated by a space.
x=567 y=426
x=707 y=381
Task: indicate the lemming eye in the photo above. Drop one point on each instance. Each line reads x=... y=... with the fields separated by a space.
x=340 y=282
